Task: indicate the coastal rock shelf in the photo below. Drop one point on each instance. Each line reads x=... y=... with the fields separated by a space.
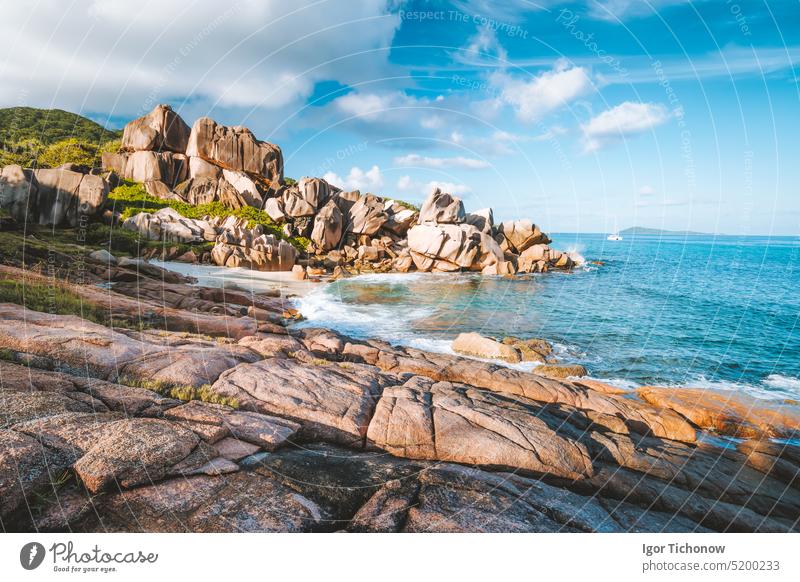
x=280 y=429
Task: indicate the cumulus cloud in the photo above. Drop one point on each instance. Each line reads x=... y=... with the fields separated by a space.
x=432 y=162
x=391 y=114
x=626 y=119
x=646 y=190
x=358 y=179
x=409 y=185
x=534 y=98
x=96 y=54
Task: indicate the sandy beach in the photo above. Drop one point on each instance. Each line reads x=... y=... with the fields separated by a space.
x=241 y=278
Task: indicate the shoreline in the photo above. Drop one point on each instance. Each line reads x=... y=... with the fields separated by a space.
x=297 y=291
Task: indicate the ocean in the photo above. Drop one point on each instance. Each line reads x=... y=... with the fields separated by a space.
x=702 y=311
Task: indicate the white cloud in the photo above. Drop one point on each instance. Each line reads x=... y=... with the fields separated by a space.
x=483 y=48
x=613 y=10
x=626 y=119
x=407 y=184
x=646 y=190
x=365 y=180
x=498 y=143
x=389 y=114
x=431 y=162
x=124 y=57
x=534 y=98
x=372 y=106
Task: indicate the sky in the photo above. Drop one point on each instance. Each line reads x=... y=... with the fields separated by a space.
x=584 y=116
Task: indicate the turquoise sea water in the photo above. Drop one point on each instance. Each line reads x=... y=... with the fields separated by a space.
x=719 y=311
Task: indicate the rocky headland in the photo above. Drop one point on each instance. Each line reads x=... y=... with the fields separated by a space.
x=133 y=399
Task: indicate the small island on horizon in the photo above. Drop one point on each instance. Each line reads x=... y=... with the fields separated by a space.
x=643 y=230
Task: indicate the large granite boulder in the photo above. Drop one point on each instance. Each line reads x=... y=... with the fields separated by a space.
x=367 y=215
x=474 y=344
x=305 y=198
x=18 y=193
x=199 y=168
x=247 y=188
x=160 y=130
x=328 y=227
x=252 y=248
x=168 y=225
x=442 y=208
x=518 y=235
x=452 y=247
x=236 y=149
x=146 y=166
x=275 y=209
x=482 y=219
x=400 y=218
x=66 y=197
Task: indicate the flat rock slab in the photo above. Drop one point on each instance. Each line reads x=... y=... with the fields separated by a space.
x=136 y=451
x=727 y=412
x=129 y=400
x=22 y=378
x=72 y=343
x=72 y=433
x=268 y=432
x=238 y=502
x=337 y=479
x=16 y=407
x=271 y=345
x=234 y=449
x=458 y=499
x=333 y=402
x=446 y=422
x=25 y=465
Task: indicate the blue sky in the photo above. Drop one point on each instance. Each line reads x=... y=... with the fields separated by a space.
x=578 y=115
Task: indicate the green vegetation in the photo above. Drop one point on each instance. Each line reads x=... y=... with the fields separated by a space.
x=47 y=138
x=408 y=205
x=48 y=126
x=180 y=392
x=131 y=198
x=53 y=298
x=68 y=151
x=289 y=181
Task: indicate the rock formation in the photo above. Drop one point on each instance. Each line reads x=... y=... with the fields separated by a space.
x=51 y=196
x=210 y=162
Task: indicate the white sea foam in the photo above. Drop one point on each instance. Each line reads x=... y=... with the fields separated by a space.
x=321 y=307
x=618 y=382
x=783 y=383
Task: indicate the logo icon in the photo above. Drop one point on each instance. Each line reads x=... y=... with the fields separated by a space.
x=31 y=555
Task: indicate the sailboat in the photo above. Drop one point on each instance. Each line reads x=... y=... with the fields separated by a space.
x=615 y=235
